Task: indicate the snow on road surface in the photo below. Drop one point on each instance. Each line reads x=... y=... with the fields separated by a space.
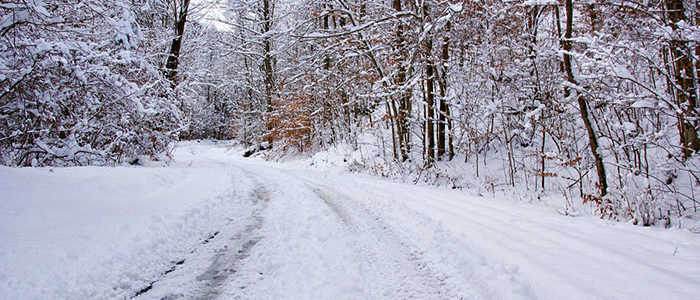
x=92 y=232
x=216 y=225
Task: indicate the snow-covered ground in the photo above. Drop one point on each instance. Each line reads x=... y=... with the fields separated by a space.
x=95 y=232
x=216 y=225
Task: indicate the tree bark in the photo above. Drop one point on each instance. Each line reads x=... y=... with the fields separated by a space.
x=172 y=63
x=268 y=62
x=430 y=99
x=443 y=109
x=582 y=103
x=683 y=75
x=697 y=50
x=403 y=112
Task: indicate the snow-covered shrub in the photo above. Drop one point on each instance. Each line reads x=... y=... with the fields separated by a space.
x=77 y=87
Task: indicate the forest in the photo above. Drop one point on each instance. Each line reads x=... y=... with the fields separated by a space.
x=595 y=101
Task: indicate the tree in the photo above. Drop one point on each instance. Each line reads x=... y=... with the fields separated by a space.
x=76 y=94
x=685 y=85
x=582 y=103
x=180 y=9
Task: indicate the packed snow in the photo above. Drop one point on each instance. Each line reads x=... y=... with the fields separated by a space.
x=212 y=224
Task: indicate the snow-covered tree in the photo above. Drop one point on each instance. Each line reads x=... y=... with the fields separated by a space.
x=78 y=86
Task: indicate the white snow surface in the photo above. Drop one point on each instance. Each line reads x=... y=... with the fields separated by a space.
x=213 y=224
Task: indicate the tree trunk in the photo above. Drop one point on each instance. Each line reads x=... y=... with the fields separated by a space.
x=268 y=63
x=173 y=58
x=403 y=112
x=697 y=50
x=430 y=99
x=583 y=106
x=686 y=95
x=443 y=106
x=450 y=142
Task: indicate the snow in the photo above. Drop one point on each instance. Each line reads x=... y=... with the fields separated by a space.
x=561 y=257
x=539 y=3
x=213 y=224
x=643 y=103
x=456 y=7
x=96 y=232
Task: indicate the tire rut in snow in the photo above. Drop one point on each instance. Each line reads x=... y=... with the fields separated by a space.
x=222 y=250
x=224 y=262
x=402 y=271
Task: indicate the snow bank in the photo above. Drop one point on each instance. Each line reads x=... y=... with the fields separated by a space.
x=99 y=232
x=574 y=256
x=560 y=257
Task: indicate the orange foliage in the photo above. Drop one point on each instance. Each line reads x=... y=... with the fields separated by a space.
x=291 y=121
x=573 y=162
x=603 y=206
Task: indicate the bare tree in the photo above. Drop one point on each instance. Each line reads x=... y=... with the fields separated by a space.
x=580 y=98
x=179 y=9
x=684 y=87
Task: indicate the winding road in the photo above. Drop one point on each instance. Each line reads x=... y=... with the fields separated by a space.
x=326 y=235
x=306 y=239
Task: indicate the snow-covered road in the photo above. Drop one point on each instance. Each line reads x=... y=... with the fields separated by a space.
x=307 y=240
x=215 y=225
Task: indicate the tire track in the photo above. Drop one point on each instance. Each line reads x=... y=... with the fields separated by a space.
x=224 y=263
x=407 y=275
x=215 y=260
